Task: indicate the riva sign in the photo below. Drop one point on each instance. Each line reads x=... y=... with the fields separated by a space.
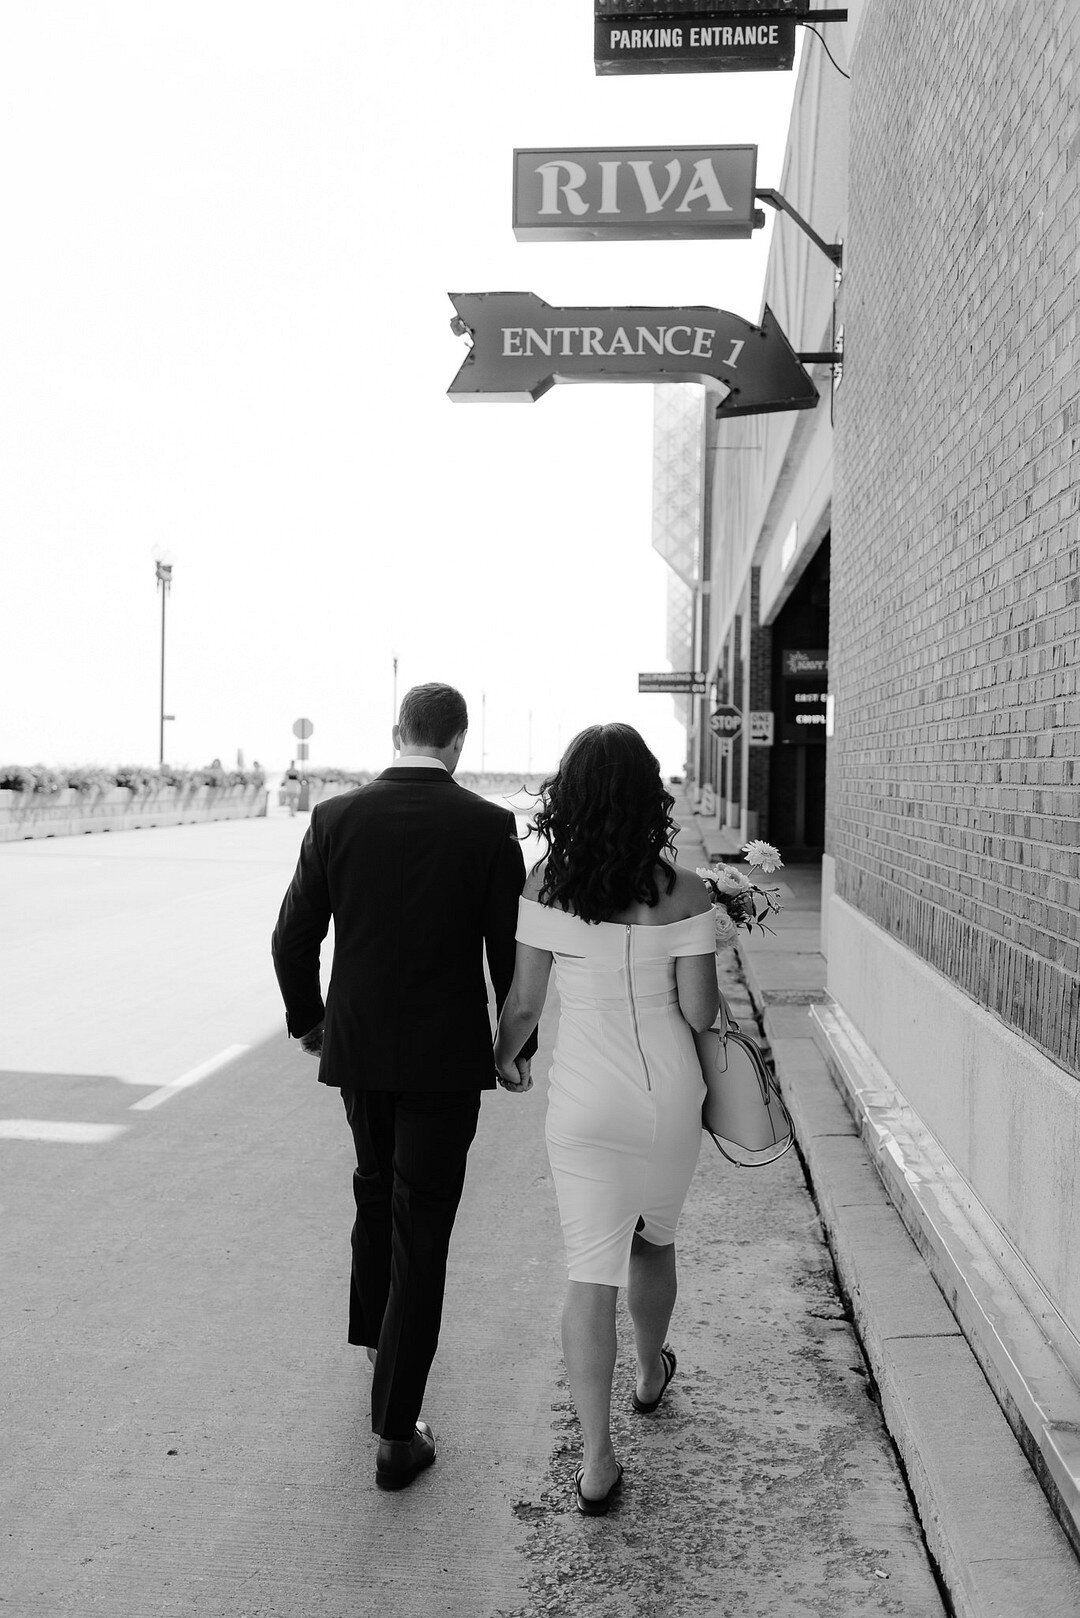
x=607 y=193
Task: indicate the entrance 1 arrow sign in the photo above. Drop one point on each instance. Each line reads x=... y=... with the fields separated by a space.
x=521 y=346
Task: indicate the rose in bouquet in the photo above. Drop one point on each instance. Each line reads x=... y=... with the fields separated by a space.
x=737 y=900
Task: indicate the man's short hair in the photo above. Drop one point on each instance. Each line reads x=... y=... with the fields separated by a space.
x=432 y=715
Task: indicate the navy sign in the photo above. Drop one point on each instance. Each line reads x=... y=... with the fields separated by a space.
x=804 y=695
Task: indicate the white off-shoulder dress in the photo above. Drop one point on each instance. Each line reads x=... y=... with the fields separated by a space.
x=624 y=1104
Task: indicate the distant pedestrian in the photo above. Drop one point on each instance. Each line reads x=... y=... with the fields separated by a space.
x=290 y=788
x=632 y=939
x=422 y=880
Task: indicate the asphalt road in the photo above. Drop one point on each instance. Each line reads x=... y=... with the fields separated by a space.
x=184 y=1427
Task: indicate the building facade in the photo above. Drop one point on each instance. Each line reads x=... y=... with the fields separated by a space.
x=895 y=578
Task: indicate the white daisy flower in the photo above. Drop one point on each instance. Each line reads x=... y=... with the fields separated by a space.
x=763 y=855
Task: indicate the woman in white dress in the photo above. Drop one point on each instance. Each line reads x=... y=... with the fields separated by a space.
x=631 y=936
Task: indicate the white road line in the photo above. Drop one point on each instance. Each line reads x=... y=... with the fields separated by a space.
x=53 y=1129
x=156 y=1097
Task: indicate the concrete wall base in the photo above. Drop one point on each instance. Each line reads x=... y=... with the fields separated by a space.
x=70 y=813
x=1026 y=1349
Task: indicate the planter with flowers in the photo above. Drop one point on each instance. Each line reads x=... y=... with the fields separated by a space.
x=40 y=801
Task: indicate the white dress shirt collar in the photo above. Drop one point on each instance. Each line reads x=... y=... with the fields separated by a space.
x=418 y=761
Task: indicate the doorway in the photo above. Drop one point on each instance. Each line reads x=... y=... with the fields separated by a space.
x=800 y=682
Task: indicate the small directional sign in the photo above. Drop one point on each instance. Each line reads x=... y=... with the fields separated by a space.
x=521 y=347
x=726 y=721
x=693 y=682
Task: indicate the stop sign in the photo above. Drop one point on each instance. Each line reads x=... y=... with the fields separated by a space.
x=726 y=721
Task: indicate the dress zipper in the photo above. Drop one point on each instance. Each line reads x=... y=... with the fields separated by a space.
x=633 y=1010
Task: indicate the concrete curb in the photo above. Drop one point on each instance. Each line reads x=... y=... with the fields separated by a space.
x=999 y=1548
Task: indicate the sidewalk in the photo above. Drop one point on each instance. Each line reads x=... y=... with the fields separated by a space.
x=997 y=1545
x=767 y=1485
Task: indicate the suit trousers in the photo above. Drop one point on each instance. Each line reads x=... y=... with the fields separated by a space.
x=411 y=1150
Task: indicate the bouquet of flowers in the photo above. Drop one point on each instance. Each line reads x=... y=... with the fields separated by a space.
x=738 y=901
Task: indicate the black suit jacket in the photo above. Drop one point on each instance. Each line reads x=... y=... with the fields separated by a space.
x=421 y=878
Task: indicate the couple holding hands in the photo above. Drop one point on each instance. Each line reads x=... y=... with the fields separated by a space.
x=423 y=879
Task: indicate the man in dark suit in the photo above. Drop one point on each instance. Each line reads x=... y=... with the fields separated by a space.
x=422 y=878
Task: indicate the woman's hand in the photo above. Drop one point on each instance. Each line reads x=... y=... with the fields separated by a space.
x=515 y=1076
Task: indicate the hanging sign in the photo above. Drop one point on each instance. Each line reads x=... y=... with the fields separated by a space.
x=804 y=694
x=693 y=682
x=718 y=40
x=521 y=347
x=637 y=193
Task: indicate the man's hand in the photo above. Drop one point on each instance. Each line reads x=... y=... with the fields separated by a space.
x=517 y=1078
x=312 y=1041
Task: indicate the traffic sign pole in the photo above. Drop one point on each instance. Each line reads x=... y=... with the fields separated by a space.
x=302 y=729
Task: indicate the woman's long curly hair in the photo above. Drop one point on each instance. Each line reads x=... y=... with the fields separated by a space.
x=606 y=819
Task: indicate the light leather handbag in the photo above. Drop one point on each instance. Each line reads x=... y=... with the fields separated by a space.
x=743 y=1110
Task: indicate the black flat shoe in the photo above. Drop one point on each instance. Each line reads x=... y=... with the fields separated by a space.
x=400 y=1460
x=595 y=1508
x=667 y=1355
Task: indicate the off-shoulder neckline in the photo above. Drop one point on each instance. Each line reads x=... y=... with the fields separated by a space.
x=646 y=926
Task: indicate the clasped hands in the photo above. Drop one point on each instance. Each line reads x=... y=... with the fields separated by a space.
x=515 y=1076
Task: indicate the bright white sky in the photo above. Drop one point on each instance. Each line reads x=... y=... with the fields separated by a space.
x=230 y=229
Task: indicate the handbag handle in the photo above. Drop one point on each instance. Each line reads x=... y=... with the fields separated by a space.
x=728 y=1025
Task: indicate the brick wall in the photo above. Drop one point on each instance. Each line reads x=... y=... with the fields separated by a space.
x=953 y=805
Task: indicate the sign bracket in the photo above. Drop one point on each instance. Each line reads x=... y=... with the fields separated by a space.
x=834 y=251
x=680 y=36
x=833 y=357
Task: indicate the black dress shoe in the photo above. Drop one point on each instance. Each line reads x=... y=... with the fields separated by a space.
x=400 y=1460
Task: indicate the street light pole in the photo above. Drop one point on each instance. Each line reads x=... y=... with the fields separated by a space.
x=163 y=574
x=483 y=731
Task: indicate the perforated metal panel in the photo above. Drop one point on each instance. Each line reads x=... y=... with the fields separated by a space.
x=678 y=510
